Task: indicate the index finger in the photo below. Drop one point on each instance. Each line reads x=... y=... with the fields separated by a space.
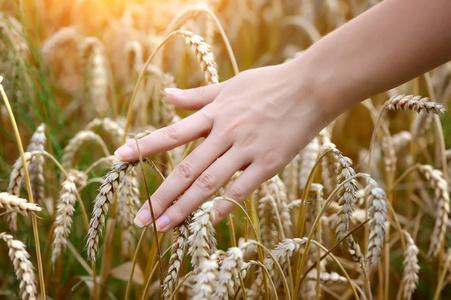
x=186 y=130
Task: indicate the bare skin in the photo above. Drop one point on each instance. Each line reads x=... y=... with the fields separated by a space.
x=260 y=119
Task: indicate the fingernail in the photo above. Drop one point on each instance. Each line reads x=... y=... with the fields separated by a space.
x=142 y=218
x=173 y=91
x=124 y=152
x=162 y=222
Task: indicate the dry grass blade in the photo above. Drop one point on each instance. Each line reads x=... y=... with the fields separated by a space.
x=22 y=266
x=102 y=202
x=64 y=211
x=378 y=216
x=204 y=55
x=415 y=103
x=440 y=186
x=178 y=250
x=15 y=204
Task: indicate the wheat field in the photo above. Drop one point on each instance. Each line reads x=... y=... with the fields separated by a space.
x=362 y=212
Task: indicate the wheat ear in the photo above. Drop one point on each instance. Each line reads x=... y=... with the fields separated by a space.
x=347 y=194
x=204 y=55
x=442 y=209
x=267 y=219
x=308 y=158
x=415 y=103
x=18 y=205
x=229 y=271
x=64 y=211
x=411 y=268
x=329 y=163
x=22 y=267
x=282 y=253
x=178 y=250
x=201 y=240
x=127 y=205
x=205 y=280
x=378 y=216
x=15 y=181
x=102 y=202
x=59 y=38
x=36 y=169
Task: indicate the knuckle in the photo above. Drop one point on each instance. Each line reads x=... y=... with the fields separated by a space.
x=218 y=215
x=206 y=182
x=184 y=170
x=198 y=92
x=172 y=133
x=158 y=202
x=272 y=162
x=237 y=193
x=180 y=211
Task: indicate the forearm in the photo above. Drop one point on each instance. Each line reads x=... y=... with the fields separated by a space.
x=388 y=45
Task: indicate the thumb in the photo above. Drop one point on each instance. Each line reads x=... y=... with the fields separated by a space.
x=194 y=99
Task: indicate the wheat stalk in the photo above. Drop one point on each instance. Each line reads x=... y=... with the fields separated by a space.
x=55 y=41
x=203 y=54
x=22 y=266
x=440 y=185
x=378 y=216
x=64 y=211
x=178 y=249
x=36 y=169
x=102 y=202
x=189 y=12
x=110 y=126
x=411 y=268
x=70 y=151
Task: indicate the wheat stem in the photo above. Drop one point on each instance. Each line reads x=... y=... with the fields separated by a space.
x=29 y=190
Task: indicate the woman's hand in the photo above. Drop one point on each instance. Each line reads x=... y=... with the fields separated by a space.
x=256 y=122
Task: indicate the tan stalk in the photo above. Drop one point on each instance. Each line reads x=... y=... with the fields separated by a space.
x=315 y=223
x=29 y=189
